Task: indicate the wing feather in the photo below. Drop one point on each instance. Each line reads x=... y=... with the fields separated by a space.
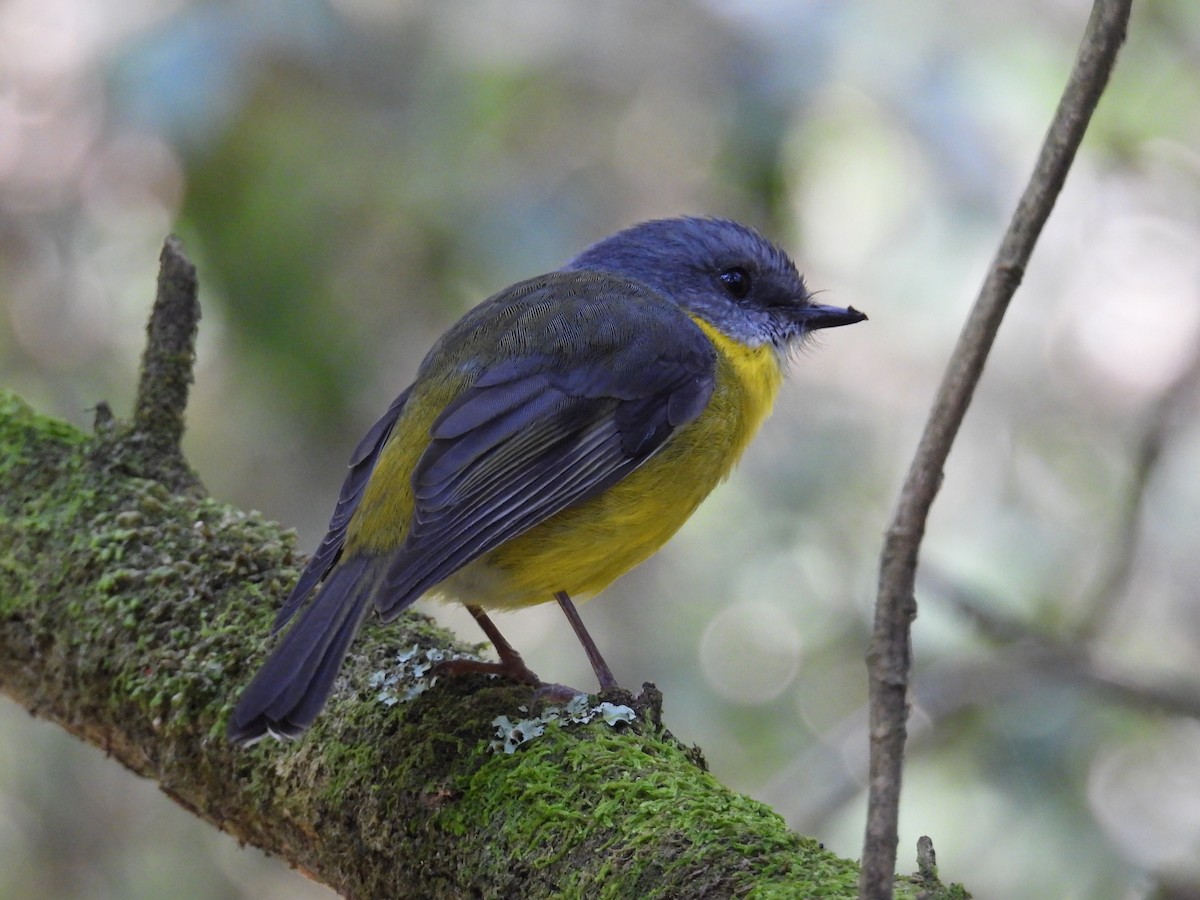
x=515 y=449
x=594 y=375
x=362 y=463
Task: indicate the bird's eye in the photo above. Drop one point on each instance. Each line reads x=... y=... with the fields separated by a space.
x=736 y=282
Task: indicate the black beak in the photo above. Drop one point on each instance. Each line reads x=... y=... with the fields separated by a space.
x=816 y=316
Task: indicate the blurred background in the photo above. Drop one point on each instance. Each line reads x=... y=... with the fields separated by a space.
x=351 y=175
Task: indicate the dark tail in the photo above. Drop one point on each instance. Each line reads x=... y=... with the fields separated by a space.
x=291 y=687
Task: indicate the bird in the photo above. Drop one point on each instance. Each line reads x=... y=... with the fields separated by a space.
x=553 y=438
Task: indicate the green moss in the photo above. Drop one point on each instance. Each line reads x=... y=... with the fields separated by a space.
x=176 y=574
x=611 y=795
x=134 y=615
x=19 y=419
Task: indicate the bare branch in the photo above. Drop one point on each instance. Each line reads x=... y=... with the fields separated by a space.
x=889 y=657
x=1027 y=650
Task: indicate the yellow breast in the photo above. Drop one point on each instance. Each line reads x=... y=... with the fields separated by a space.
x=583 y=549
x=751 y=376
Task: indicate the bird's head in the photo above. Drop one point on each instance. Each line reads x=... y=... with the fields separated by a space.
x=722 y=272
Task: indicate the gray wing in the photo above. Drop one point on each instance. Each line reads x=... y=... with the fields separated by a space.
x=551 y=427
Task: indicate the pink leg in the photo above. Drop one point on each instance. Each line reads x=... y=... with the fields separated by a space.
x=511 y=664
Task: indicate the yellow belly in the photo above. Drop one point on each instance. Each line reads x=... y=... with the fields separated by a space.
x=583 y=549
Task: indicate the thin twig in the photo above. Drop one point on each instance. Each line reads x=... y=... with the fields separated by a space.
x=1111 y=585
x=889 y=656
x=1066 y=659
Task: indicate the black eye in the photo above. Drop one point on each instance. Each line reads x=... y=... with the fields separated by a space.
x=736 y=282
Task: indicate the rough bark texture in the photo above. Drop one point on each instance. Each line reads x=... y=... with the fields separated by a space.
x=131 y=615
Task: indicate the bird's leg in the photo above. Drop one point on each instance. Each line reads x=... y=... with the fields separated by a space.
x=603 y=673
x=511 y=664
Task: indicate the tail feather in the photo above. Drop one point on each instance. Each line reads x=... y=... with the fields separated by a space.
x=293 y=684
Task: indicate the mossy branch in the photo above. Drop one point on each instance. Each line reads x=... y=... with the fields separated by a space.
x=132 y=608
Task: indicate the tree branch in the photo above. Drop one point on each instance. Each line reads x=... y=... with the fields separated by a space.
x=889 y=657
x=130 y=615
x=1027 y=650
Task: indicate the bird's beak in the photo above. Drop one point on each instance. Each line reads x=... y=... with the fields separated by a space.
x=816 y=316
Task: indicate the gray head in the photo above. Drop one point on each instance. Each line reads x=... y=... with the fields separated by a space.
x=722 y=272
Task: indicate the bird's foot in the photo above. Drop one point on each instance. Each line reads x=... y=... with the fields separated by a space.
x=513 y=669
x=550 y=694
